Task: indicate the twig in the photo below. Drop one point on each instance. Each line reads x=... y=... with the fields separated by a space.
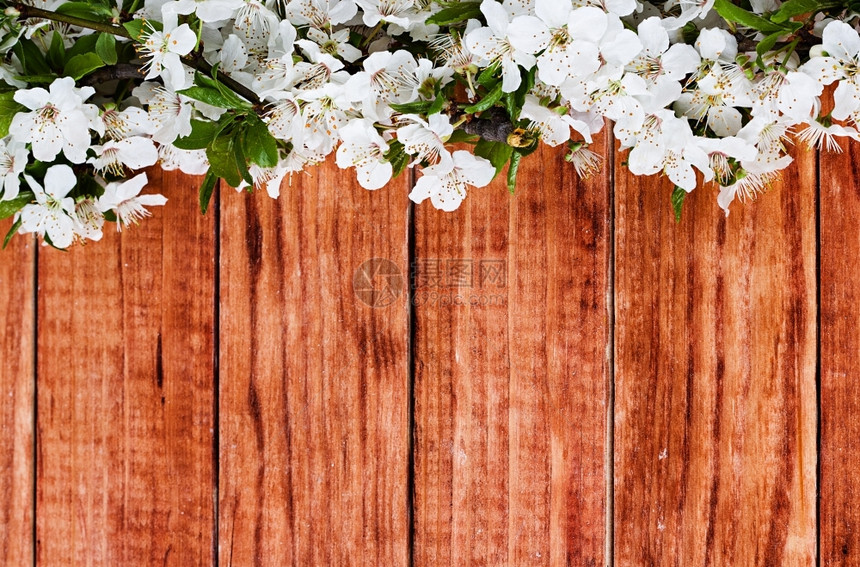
x=117 y=72
x=28 y=11
x=193 y=60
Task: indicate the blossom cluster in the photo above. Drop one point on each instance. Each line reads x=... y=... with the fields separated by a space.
x=253 y=91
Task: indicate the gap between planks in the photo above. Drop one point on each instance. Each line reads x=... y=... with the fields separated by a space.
x=609 y=458
x=216 y=378
x=35 y=430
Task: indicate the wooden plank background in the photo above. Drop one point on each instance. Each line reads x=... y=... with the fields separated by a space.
x=562 y=377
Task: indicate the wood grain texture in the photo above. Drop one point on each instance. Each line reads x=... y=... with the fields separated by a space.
x=314 y=386
x=17 y=390
x=715 y=354
x=840 y=351
x=512 y=381
x=125 y=393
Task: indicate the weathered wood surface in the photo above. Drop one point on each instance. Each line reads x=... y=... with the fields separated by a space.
x=17 y=379
x=314 y=399
x=715 y=363
x=125 y=394
x=304 y=433
x=512 y=374
x=840 y=358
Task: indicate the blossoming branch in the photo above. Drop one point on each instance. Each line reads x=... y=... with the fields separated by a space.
x=252 y=91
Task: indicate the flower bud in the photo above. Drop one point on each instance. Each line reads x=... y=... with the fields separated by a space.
x=816 y=51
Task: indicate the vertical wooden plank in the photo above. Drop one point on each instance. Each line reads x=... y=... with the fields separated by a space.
x=715 y=353
x=512 y=374
x=840 y=348
x=16 y=388
x=125 y=412
x=314 y=386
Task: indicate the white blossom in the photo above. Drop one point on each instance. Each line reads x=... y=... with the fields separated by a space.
x=445 y=183
x=425 y=139
x=510 y=43
x=841 y=45
x=53 y=213
x=206 y=10
x=162 y=51
x=321 y=13
x=124 y=200
x=59 y=120
x=169 y=112
x=135 y=152
x=364 y=149
x=13 y=160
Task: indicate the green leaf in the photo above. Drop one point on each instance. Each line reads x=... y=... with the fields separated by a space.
x=106 y=48
x=690 y=33
x=417 y=107
x=793 y=8
x=732 y=13
x=40 y=79
x=222 y=160
x=458 y=12
x=512 y=171
x=462 y=136
x=135 y=28
x=397 y=157
x=56 y=51
x=206 y=190
x=489 y=100
x=241 y=158
x=678 y=202
x=260 y=146
x=8 y=109
x=110 y=216
x=232 y=98
x=438 y=104
x=86 y=10
x=208 y=95
x=202 y=134
x=86 y=44
x=529 y=150
x=487 y=78
x=497 y=152
x=12 y=232
x=82 y=65
x=12 y=206
x=31 y=58
x=517 y=99
x=766 y=45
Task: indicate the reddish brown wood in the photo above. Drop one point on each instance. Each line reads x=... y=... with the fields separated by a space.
x=511 y=383
x=125 y=408
x=840 y=352
x=16 y=390
x=715 y=355
x=314 y=397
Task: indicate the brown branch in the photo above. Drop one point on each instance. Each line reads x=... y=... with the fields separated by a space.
x=27 y=11
x=193 y=60
x=494 y=125
x=118 y=72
